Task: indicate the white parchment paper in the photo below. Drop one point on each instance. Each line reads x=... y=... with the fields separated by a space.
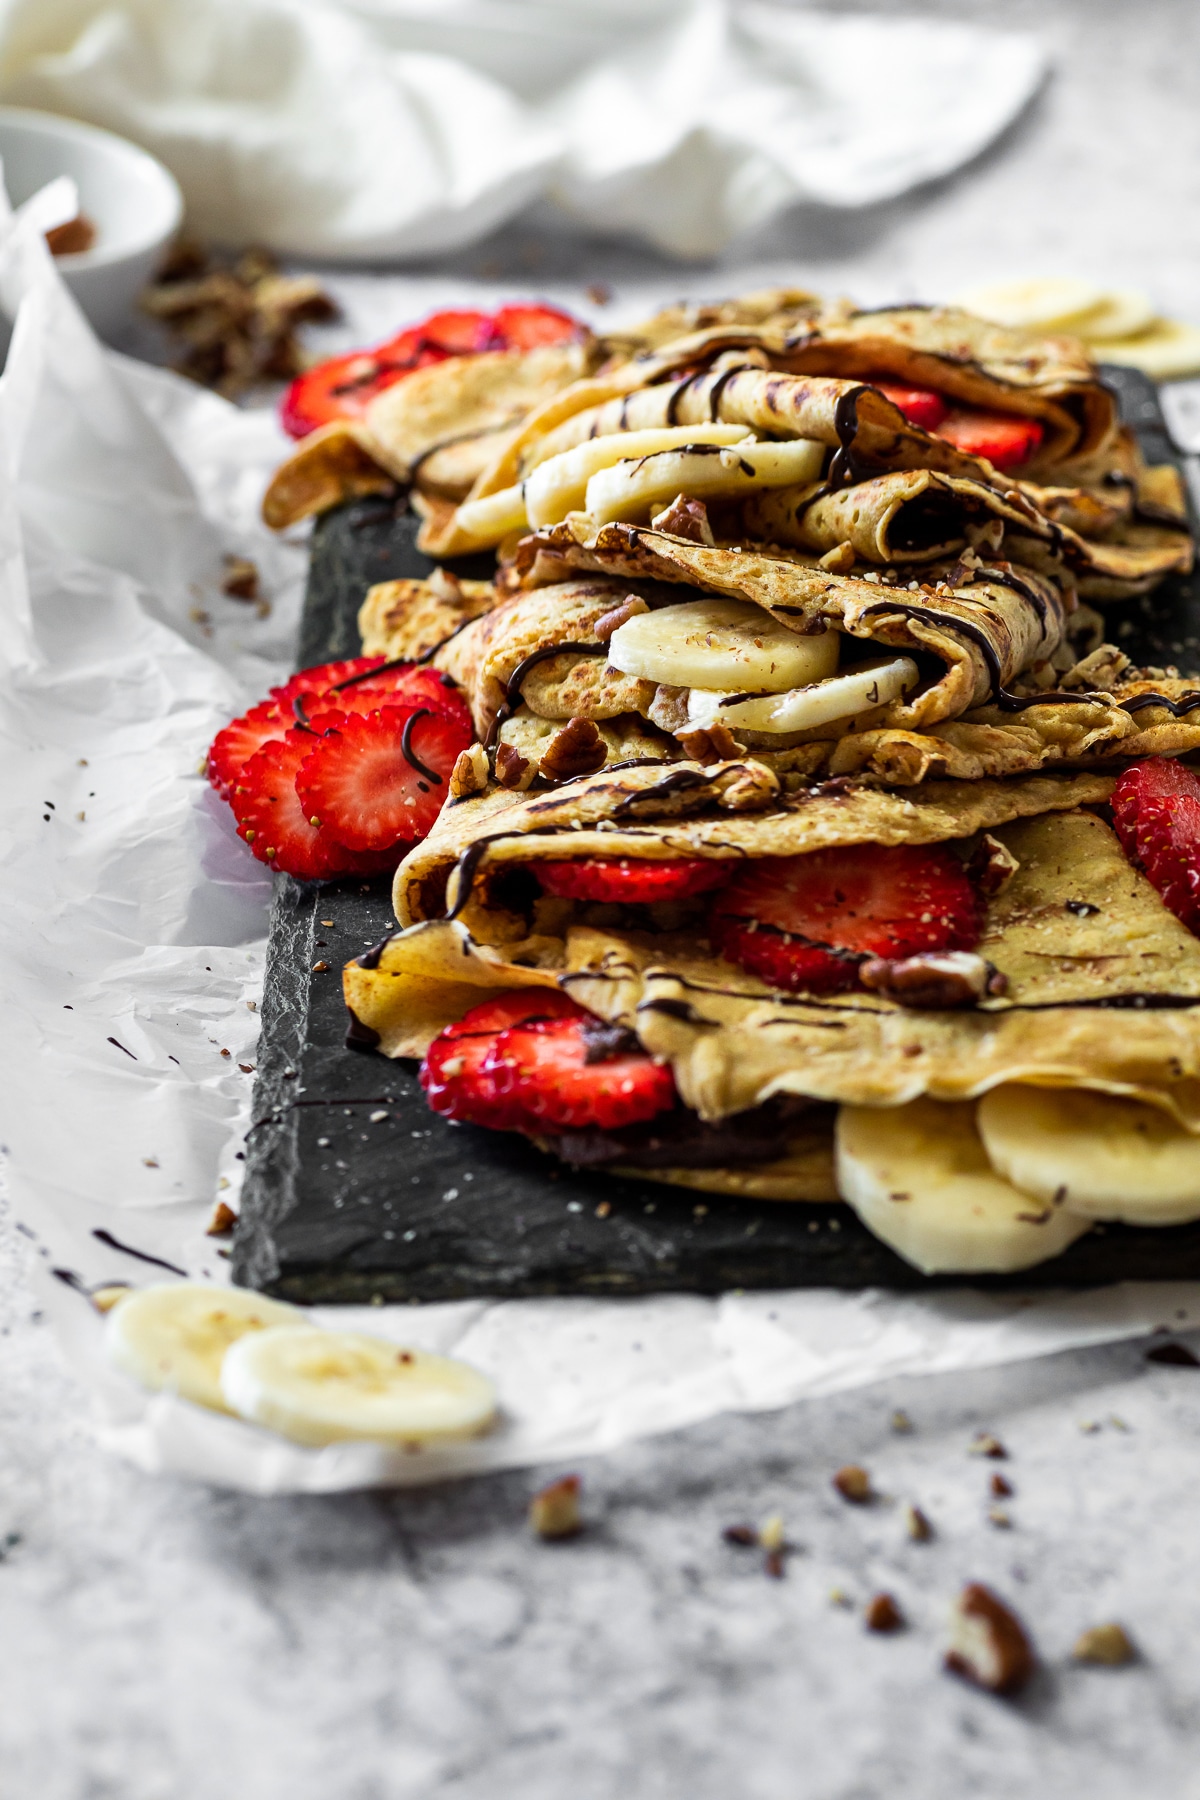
x=131 y=960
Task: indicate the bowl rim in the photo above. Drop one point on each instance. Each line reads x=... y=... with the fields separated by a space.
x=57 y=125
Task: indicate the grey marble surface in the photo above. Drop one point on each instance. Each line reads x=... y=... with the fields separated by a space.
x=166 y=1642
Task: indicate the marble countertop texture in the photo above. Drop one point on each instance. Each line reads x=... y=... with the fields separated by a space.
x=164 y=1641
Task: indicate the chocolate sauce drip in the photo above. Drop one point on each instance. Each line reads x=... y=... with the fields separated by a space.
x=1186 y=703
x=106 y=1237
x=718 y=388
x=512 y=692
x=409 y=754
x=1008 y=578
x=678 y=781
x=997 y=692
x=358 y=1035
x=677 y=393
x=428 y=655
x=370 y=959
x=70 y=1279
x=846 y=469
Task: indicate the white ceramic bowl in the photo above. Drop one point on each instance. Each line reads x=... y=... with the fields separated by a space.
x=134 y=203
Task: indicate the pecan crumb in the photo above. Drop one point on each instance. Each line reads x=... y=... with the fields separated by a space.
x=901 y=1421
x=240 y=580
x=984 y=1444
x=72 y=239
x=998 y=1517
x=223 y=1220
x=839 y=1597
x=839 y=560
x=770 y=1532
x=1001 y=1486
x=743 y=1535
x=988 y=1643
x=853 y=1484
x=444 y=585
x=686 y=519
x=609 y=622
x=917 y=1525
x=1108 y=1644
x=510 y=766
x=938 y=980
x=554 y=1511
x=992 y=865
x=709 y=743
x=882 y=1614
x=470 y=773
x=578 y=749
x=105 y=1298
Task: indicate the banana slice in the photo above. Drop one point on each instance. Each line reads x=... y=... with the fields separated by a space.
x=320 y=1387
x=631 y=488
x=918 y=1176
x=855 y=690
x=490 y=520
x=723 y=644
x=1121 y=313
x=1100 y=1156
x=559 y=485
x=1167 y=351
x=1039 y=303
x=173 y=1335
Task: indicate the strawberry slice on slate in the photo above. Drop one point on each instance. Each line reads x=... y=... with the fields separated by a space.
x=569 y=1074
x=272 y=819
x=920 y=406
x=1003 y=438
x=233 y=747
x=622 y=879
x=1156 y=812
x=377 y=780
x=806 y=922
x=452 y=1073
x=525 y=327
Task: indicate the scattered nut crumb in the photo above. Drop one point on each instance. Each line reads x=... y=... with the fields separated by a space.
x=770 y=1532
x=576 y=750
x=228 y=1055
x=604 y=1208
x=839 y=560
x=510 y=766
x=746 y=1536
x=1107 y=1644
x=470 y=773
x=72 y=239
x=984 y=1444
x=598 y=292
x=998 y=1517
x=240 y=579
x=150 y=1162
x=882 y=1614
x=988 y=1643
x=853 y=1483
x=246 y=1068
x=1118 y=1423
x=105 y=1298
x=616 y=616
x=554 y=1511
x=917 y=1525
x=839 y=1597
x=1000 y=1486
x=223 y=1220
x=1089 y=1426
x=901 y=1420
x=320 y=968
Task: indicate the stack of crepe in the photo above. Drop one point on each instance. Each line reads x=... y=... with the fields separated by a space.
x=747 y=605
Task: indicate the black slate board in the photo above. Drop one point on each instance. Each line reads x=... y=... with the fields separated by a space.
x=355 y=1191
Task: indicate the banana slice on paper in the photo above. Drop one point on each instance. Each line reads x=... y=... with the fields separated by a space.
x=321 y=1387
x=559 y=485
x=635 y=486
x=723 y=644
x=1168 y=351
x=856 y=690
x=1037 y=303
x=1100 y=1156
x=173 y=1335
x=918 y=1176
x=1122 y=312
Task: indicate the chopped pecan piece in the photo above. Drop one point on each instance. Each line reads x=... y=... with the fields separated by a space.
x=1108 y=1644
x=578 y=749
x=511 y=766
x=240 y=579
x=686 y=519
x=853 y=1484
x=839 y=560
x=988 y=1643
x=984 y=1444
x=445 y=585
x=105 y=1298
x=936 y=981
x=222 y=1222
x=709 y=743
x=608 y=622
x=992 y=864
x=1100 y=671
x=917 y=1525
x=882 y=1614
x=747 y=789
x=470 y=772
x=554 y=1512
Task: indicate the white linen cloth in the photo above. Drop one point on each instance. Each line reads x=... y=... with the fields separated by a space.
x=133 y=948
x=390 y=129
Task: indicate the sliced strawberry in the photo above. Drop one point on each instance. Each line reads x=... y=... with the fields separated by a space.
x=622 y=879
x=1156 y=811
x=525 y=327
x=272 y=820
x=1004 y=438
x=345 y=386
x=319 y=679
x=920 y=406
x=807 y=921
x=567 y=1074
x=379 y=779
x=405 y=685
x=232 y=748
x=452 y=1073
x=460 y=333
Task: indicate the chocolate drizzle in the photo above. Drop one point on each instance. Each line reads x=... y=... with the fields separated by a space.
x=997 y=692
x=1186 y=703
x=106 y=1237
x=512 y=691
x=409 y=754
x=846 y=469
x=428 y=655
